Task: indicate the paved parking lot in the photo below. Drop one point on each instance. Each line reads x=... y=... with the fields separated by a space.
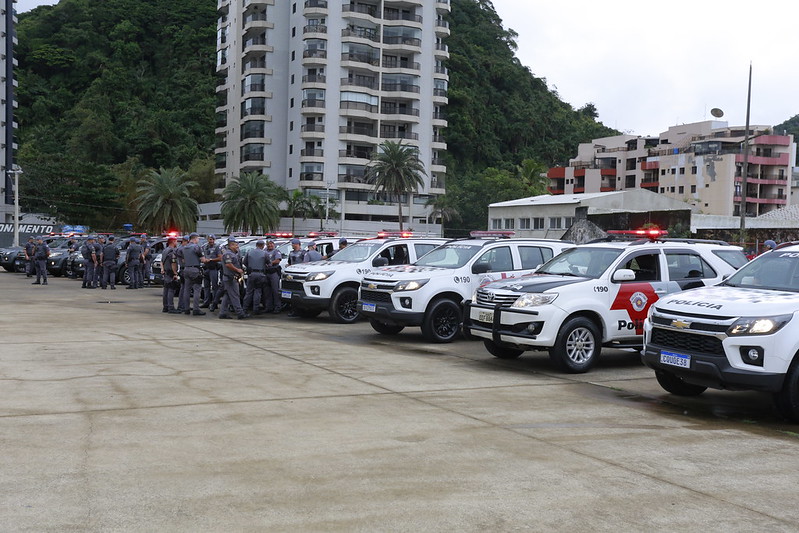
x=114 y=416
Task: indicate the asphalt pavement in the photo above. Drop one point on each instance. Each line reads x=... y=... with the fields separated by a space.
x=116 y=417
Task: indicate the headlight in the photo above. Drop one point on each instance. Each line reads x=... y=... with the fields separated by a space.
x=319 y=276
x=758 y=326
x=410 y=285
x=535 y=299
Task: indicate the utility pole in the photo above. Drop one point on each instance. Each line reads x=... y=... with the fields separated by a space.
x=745 y=166
x=16 y=172
x=8 y=160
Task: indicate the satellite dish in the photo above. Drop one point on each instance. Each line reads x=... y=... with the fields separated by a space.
x=716 y=112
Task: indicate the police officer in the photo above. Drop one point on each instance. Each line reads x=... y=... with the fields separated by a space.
x=72 y=247
x=255 y=261
x=30 y=246
x=133 y=261
x=184 y=240
x=272 y=301
x=213 y=259
x=311 y=254
x=342 y=243
x=146 y=261
x=87 y=252
x=192 y=277
x=231 y=274
x=169 y=268
x=109 y=257
x=98 y=270
x=40 y=254
x=297 y=254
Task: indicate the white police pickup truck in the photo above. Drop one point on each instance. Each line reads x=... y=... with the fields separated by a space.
x=430 y=293
x=333 y=285
x=740 y=335
x=592 y=295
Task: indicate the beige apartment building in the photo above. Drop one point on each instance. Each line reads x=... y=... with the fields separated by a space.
x=699 y=164
x=308 y=90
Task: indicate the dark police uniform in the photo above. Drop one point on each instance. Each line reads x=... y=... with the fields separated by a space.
x=192 y=277
x=109 y=257
x=210 y=272
x=272 y=300
x=30 y=266
x=230 y=281
x=86 y=251
x=255 y=261
x=170 y=268
x=98 y=268
x=40 y=254
x=133 y=263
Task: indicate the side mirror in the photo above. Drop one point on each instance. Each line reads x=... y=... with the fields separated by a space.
x=480 y=268
x=379 y=262
x=624 y=274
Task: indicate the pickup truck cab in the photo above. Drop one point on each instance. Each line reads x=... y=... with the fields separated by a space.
x=592 y=295
x=742 y=334
x=332 y=285
x=430 y=293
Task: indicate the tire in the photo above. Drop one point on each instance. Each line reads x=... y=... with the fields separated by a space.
x=344 y=305
x=385 y=329
x=19 y=266
x=675 y=384
x=577 y=346
x=123 y=276
x=307 y=313
x=500 y=351
x=442 y=321
x=787 y=400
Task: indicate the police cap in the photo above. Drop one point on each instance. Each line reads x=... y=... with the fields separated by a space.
x=212 y=236
x=342 y=241
x=295 y=241
x=260 y=242
x=133 y=239
x=231 y=240
x=111 y=238
x=193 y=234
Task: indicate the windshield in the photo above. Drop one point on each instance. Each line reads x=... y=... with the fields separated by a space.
x=584 y=262
x=449 y=256
x=355 y=253
x=774 y=270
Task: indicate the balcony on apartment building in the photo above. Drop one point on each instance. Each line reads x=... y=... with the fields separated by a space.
x=401 y=16
x=400 y=63
x=607 y=185
x=650 y=183
x=358 y=57
x=367 y=82
x=359 y=9
x=358 y=32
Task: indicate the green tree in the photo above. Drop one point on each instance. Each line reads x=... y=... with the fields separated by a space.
x=323 y=209
x=297 y=205
x=251 y=203
x=441 y=208
x=532 y=174
x=165 y=203
x=395 y=169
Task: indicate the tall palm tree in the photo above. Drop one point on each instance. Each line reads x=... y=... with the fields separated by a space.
x=164 y=202
x=395 y=168
x=251 y=203
x=533 y=175
x=297 y=204
x=323 y=209
x=442 y=209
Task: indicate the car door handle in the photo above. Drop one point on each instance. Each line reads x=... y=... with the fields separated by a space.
x=660 y=291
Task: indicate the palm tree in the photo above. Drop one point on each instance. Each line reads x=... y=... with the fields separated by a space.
x=533 y=175
x=164 y=202
x=442 y=209
x=322 y=209
x=251 y=203
x=396 y=169
x=297 y=204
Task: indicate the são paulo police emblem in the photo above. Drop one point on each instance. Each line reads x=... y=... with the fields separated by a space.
x=638 y=301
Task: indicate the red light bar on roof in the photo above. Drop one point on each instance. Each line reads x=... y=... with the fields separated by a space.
x=400 y=234
x=492 y=233
x=652 y=233
x=323 y=234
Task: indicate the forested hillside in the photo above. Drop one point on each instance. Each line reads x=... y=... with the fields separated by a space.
x=110 y=89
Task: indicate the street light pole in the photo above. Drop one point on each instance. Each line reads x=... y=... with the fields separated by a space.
x=745 y=166
x=16 y=172
x=329 y=184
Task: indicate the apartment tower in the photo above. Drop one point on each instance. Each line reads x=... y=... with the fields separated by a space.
x=309 y=89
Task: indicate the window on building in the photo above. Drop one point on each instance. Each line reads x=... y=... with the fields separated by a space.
x=662 y=171
x=524 y=223
x=290 y=172
x=496 y=223
x=681 y=190
x=682 y=171
x=673 y=171
x=510 y=223
x=693 y=169
x=294 y=8
x=291 y=102
x=568 y=221
x=292 y=55
x=555 y=223
x=672 y=189
x=294 y=31
x=663 y=189
x=693 y=188
x=291 y=126
x=538 y=223
x=291 y=148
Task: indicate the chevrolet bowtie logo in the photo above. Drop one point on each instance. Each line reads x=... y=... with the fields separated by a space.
x=289 y=277
x=682 y=324
x=372 y=286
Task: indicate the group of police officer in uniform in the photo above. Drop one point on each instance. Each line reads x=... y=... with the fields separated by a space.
x=101 y=256
x=36 y=253
x=215 y=274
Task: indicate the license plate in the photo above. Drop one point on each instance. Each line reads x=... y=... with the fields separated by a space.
x=675 y=359
x=152 y=276
x=369 y=308
x=485 y=316
x=285 y=294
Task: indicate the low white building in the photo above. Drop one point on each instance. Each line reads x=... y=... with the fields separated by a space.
x=549 y=216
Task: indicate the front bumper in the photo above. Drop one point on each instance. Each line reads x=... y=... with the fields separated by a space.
x=300 y=300
x=386 y=312
x=533 y=328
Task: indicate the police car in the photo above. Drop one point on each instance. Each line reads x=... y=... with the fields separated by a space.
x=740 y=335
x=430 y=293
x=593 y=295
x=333 y=284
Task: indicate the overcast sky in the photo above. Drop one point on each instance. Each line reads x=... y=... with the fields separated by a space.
x=647 y=66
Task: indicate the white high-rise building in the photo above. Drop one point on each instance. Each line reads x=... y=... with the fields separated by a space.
x=308 y=90
x=8 y=104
